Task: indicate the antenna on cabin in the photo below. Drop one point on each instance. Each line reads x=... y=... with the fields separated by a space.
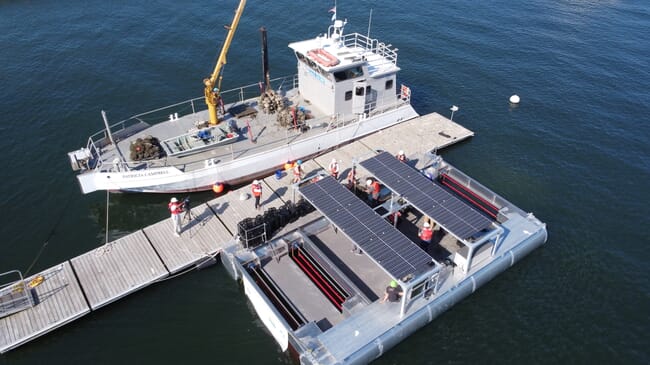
x=369 y=22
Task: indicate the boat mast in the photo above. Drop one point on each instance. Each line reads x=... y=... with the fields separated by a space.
x=212 y=92
x=265 y=60
x=108 y=129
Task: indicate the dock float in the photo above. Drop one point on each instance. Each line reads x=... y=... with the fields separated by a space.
x=112 y=271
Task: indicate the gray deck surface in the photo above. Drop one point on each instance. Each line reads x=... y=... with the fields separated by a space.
x=130 y=263
x=117 y=269
x=363 y=328
x=362 y=271
x=305 y=295
x=202 y=235
x=59 y=301
x=231 y=209
x=417 y=136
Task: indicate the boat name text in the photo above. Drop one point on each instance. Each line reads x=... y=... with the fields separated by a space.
x=144 y=174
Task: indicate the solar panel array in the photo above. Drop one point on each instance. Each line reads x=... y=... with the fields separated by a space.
x=453 y=214
x=384 y=244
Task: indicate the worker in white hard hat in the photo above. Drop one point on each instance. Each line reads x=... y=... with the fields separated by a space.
x=425 y=234
x=373 y=191
x=176 y=208
x=401 y=156
x=256 y=188
x=334 y=169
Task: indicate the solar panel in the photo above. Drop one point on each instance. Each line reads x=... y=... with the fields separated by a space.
x=454 y=215
x=384 y=244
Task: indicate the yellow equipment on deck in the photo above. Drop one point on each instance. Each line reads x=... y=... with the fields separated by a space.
x=212 y=89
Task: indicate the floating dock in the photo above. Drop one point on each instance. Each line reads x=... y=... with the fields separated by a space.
x=99 y=277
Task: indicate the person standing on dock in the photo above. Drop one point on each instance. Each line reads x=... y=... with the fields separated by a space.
x=334 y=169
x=393 y=292
x=297 y=171
x=257 y=193
x=401 y=156
x=426 y=234
x=176 y=208
x=352 y=177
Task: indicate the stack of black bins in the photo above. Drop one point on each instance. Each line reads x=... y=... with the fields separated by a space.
x=327 y=285
x=255 y=231
x=288 y=311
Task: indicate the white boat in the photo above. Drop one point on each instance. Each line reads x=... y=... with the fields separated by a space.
x=318 y=284
x=346 y=87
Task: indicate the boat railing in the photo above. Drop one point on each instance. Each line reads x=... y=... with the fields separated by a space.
x=135 y=123
x=239 y=95
x=356 y=40
x=387 y=103
x=317 y=125
x=15 y=294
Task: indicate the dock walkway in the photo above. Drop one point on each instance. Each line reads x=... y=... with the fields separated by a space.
x=99 y=277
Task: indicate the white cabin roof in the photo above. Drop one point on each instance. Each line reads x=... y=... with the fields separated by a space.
x=351 y=49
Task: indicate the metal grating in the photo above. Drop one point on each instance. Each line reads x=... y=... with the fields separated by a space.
x=454 y=215
x=384 y=244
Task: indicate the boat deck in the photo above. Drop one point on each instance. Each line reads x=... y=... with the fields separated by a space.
x=259 y=131
x=92 y=280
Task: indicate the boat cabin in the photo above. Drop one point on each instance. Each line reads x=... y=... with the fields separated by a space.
x=346 y=73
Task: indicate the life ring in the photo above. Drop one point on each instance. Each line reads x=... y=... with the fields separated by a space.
x=38 y=280
x=323 y=57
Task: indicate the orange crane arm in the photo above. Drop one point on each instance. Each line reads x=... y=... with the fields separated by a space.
x=212 y=95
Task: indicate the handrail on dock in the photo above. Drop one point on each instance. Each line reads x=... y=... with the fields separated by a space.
x=15 y=295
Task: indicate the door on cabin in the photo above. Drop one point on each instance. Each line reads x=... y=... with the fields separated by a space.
x=359 y=97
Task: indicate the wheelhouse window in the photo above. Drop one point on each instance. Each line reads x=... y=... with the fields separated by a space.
x=350 y=73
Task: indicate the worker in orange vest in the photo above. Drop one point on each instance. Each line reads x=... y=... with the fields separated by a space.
x=297 y=171
x=373 y=191
x=352 y=177
x=334 y=169
x=256 y=187
x=426 y=234
x=176 y=208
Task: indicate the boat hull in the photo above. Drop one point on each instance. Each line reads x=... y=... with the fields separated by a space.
x=242 y=169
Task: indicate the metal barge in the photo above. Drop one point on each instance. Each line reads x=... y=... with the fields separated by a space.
x=317 y=287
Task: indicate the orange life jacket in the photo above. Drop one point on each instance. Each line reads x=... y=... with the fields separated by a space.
x=426 y=234
x=375 y=188
x=175 y=208
x=257 y=189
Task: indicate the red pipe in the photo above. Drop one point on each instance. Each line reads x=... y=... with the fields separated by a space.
x=326 y=277
x=336 y=304
x=470 y=199
x=445 y=176
x=326 y=282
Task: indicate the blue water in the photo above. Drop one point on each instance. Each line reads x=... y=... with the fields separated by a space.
x=575 y=152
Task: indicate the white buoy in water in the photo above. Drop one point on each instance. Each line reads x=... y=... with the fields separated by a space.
x=514 y=99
